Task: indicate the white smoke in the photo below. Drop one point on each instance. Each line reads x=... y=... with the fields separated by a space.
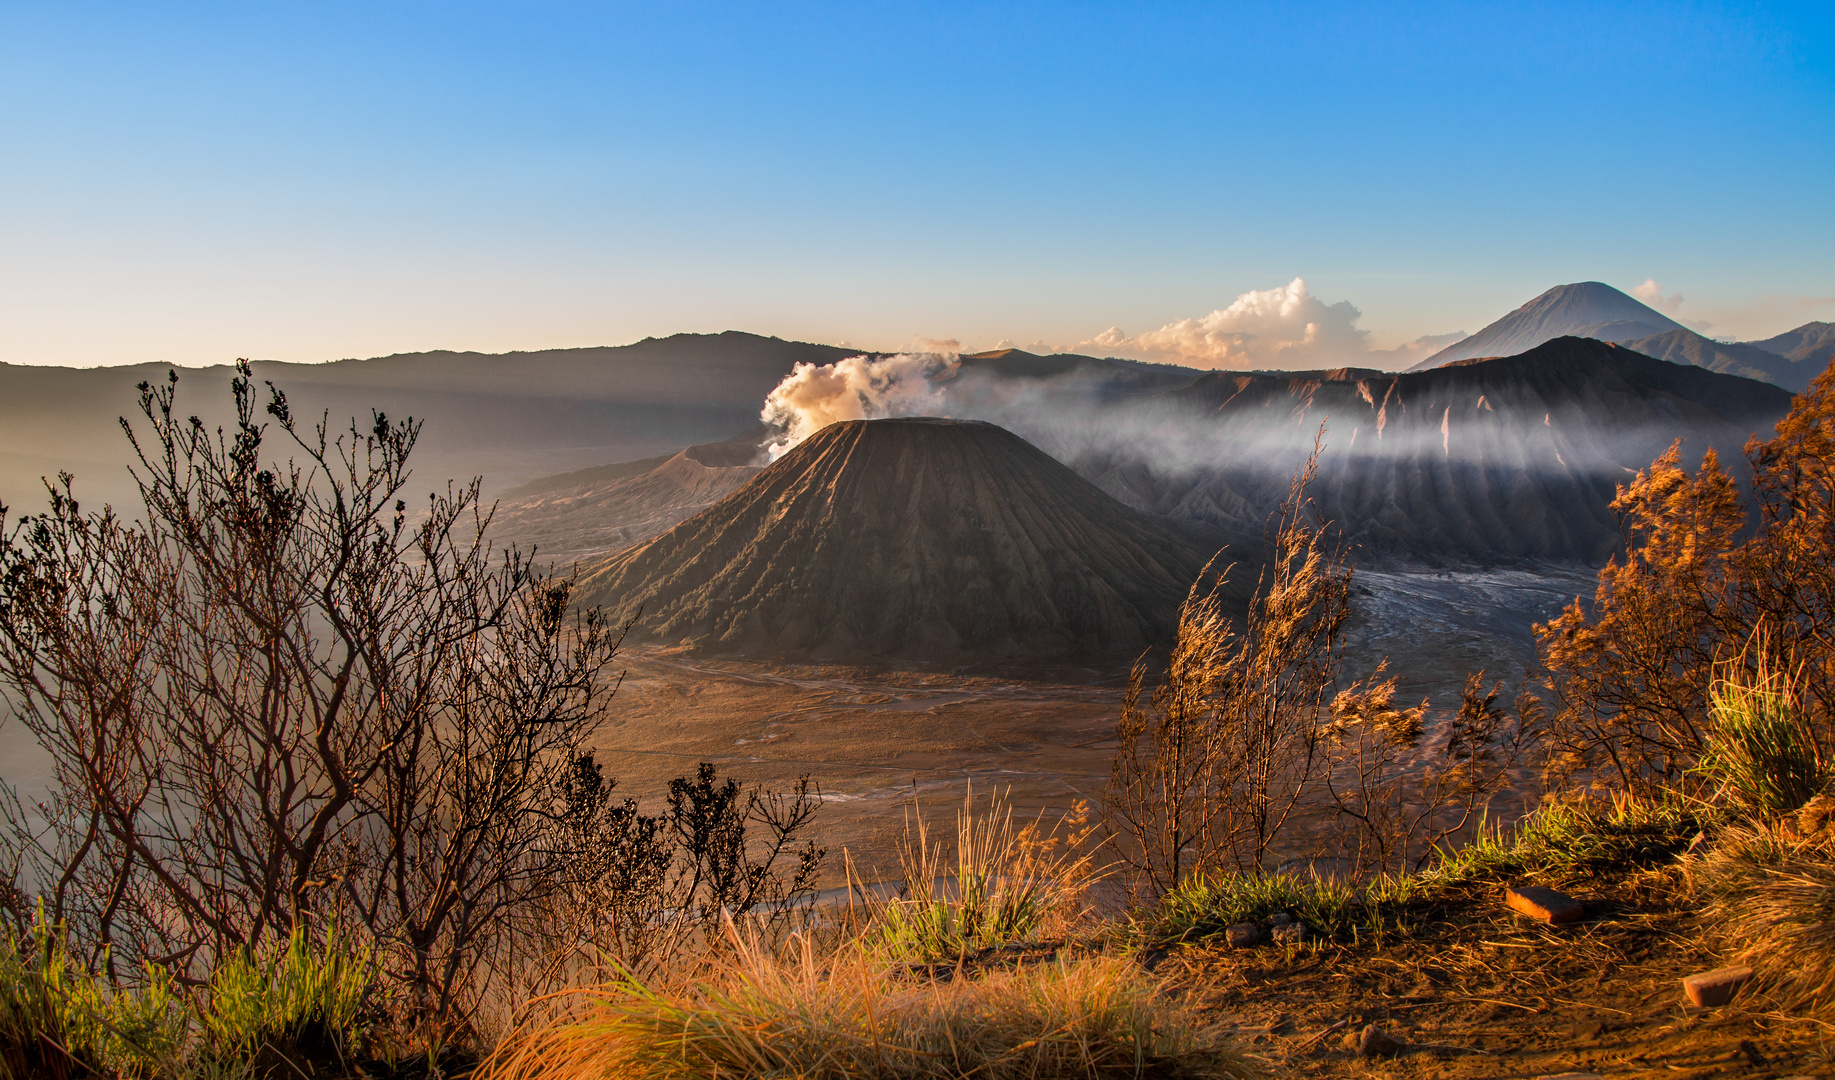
x=1285 y=327
x=814 y=396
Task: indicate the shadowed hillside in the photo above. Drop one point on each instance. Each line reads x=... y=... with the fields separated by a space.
x=915 y=538
x=1478 y=461
x=1813 y=343
x=609 y=508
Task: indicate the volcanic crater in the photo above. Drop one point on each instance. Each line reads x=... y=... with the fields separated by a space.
x=910 y=538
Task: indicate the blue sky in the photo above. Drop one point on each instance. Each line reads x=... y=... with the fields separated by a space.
x=195 y=182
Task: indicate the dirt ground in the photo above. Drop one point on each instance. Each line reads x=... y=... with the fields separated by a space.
x=1480 y=992
x=876 y=741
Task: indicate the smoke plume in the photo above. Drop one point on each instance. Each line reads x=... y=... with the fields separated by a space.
x=814 y=396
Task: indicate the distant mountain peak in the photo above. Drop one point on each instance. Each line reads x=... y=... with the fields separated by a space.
x=1580 y=309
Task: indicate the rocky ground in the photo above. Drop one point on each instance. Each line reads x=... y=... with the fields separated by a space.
x=1476 y=990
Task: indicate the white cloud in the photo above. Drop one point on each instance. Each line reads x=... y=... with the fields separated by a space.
x=814 y=396
x=1651 y=292
x=1411 y=352
x=1285 y=327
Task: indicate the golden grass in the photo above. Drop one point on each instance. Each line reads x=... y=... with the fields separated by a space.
x=1776 y=898
x=853 y=1015
x=1009 y=882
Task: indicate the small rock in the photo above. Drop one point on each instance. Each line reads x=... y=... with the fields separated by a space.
x=1349 y=1042
x=1710 y=989
x=1243 y=935
x=1749 y=1053
x=1592 y=1029
x=1375 y=1042
x=1281 y=918
x=1545 y=904
x=1289 y=933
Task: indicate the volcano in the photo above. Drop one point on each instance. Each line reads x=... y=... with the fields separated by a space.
x=1588 y=309
x=921 y=539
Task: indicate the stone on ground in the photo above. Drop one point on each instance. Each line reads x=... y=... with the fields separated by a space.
x=1544 y=904
x=1711 y=989
x=1375 y=1042
x=1243 y=934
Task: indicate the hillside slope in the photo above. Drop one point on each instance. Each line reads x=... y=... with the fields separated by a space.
x=609 y=508
x=1476 y=462
x=909 y=538
x=510 y=417
x=1730 y=358
x=1813 y=342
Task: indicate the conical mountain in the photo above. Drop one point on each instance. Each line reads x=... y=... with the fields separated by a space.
x=907 y=538
x=1589 y=309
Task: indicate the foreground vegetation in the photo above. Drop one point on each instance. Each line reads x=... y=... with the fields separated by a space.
x=322 y=803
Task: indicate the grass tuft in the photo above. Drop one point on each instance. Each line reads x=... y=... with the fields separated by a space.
x=1204 y=906
x=57 y=1019
x=1774 y=895
x=852 y=1015
x=1761 y=751
x=1573 y=838
x=1006 y=883
x=300 y=1002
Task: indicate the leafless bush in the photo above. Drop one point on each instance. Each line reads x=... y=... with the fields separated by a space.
x=279 y=698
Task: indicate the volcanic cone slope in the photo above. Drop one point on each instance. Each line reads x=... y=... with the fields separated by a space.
x=907 y=538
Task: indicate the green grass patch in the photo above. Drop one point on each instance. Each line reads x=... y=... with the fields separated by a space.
x=58 y=1019
x=1573 y=838
x=302 y=1001
x=1204 y=906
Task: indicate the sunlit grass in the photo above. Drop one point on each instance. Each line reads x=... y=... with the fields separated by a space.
x=856 y=1015
x=1571 y=838
x=59 y=1019
x=1003 y=884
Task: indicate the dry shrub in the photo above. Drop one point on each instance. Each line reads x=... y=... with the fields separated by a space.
x=1407 y=794
x=280 y=698
x=853 y=1015
x=1774 y=891
x=1705 y=573
x=1227 y=747
x=1247 y=732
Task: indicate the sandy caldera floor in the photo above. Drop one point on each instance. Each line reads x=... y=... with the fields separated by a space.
x=876 y=742
x=880 y=741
